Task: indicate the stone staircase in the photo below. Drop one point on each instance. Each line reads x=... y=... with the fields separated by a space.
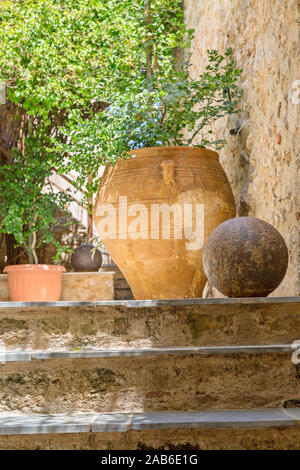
x=122 y=290
x=182 y=374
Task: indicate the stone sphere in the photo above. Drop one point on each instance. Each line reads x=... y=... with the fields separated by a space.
x=83 y=259
x=245 y=257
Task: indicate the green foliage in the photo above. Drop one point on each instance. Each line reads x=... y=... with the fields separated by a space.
x=64 y=61
x=61 y=60
x=28 y=202
x=159 y=111
x=58 y=55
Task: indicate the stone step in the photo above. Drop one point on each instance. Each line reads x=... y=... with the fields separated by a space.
x=31 y=355
x=207 y=429
x=148 y=380
x=159 y=323
x=121 y=422
x=123 y=294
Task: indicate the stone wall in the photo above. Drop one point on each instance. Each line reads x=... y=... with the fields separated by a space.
x=283 y=438
x=262 y=160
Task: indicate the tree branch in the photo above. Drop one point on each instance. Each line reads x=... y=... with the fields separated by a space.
x=148 y=46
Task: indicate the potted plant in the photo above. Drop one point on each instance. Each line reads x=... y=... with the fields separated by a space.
x=156 y=122
x=27 y=207
x=76 y=63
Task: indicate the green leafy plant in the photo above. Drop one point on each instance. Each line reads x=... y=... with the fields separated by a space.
x=63 y=60
x=92 y=80
x=59 y=57
x=28 y=202
x=155 y=111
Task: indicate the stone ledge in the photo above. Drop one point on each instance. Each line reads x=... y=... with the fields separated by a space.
x=46 y=424
x=109 y=422
x=156 y=303
x=28 y=356
x=212 y=419
x=137 y=324
x=122 y=422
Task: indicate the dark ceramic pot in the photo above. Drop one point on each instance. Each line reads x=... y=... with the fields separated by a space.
x=83 y=259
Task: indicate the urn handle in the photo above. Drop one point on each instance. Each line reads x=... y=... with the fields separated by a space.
x=168 y=171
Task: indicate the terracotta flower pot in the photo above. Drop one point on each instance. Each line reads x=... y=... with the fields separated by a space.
x=156 y=262
x=34 y=282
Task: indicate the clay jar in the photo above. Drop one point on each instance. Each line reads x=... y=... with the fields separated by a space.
x=158 y=264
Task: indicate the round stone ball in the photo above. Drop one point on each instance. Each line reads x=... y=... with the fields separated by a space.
x=83 y=259
x=245 y=257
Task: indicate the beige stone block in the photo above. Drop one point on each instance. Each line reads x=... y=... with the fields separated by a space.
x=88 y=286
x=4 y=293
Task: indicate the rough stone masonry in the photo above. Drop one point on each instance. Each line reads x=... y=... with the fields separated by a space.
x=262 y=158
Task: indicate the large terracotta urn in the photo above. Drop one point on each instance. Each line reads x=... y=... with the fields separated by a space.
x=155 y=211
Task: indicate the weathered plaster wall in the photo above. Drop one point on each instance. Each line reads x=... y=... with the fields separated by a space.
x=262 y=161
